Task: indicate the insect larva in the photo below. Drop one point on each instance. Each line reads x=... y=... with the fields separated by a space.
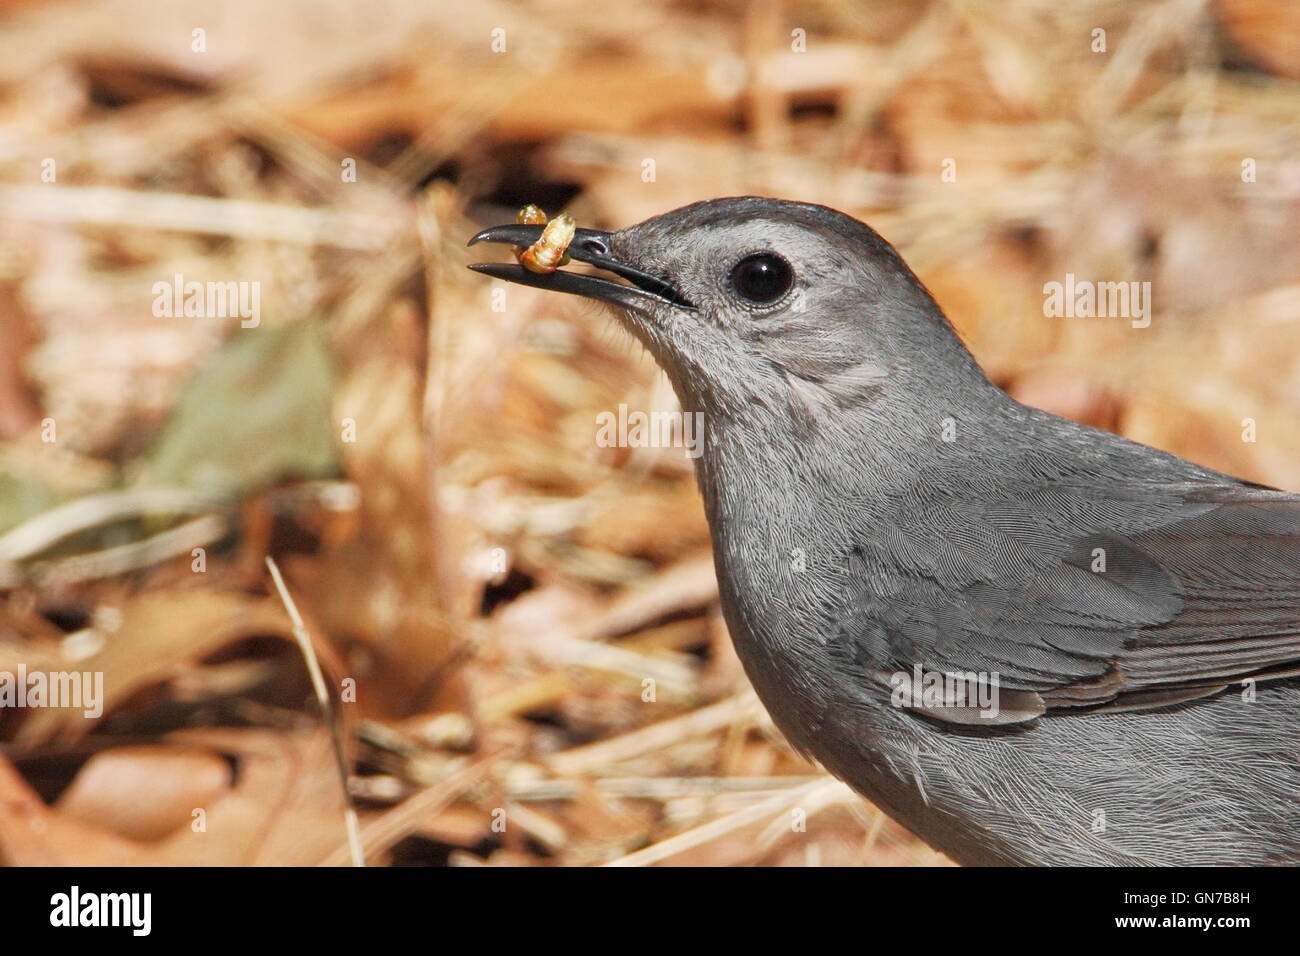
x=549 y=252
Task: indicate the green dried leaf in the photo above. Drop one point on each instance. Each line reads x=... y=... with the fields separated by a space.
x=260 y=412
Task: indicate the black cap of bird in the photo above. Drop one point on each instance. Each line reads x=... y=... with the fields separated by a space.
x=1028 y=640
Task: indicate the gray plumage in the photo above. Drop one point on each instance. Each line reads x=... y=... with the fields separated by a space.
x=876 y=504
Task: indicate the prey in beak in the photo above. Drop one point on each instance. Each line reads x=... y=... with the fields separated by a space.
x=592 y=247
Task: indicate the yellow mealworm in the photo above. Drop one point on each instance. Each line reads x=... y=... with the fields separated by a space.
x=549 y=252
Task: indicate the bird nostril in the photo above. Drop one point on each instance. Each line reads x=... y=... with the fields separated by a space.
x=595 y=246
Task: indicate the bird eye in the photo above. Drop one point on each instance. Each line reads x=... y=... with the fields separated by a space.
x=762 y=278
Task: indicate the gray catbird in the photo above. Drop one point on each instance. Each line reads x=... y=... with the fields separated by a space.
x=1027 y=640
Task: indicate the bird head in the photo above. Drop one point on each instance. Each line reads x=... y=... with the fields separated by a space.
x=761 y=303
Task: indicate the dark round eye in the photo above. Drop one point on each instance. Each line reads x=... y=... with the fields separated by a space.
x=762 y=278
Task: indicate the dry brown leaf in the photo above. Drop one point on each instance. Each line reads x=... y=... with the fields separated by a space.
x=145 y=793
x=285 y=810
x=161 y=633
x=31 y=834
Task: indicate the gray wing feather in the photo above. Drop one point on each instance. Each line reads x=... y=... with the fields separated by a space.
x=1200 y=586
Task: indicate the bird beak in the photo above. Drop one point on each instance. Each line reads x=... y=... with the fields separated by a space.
x=593 y=247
